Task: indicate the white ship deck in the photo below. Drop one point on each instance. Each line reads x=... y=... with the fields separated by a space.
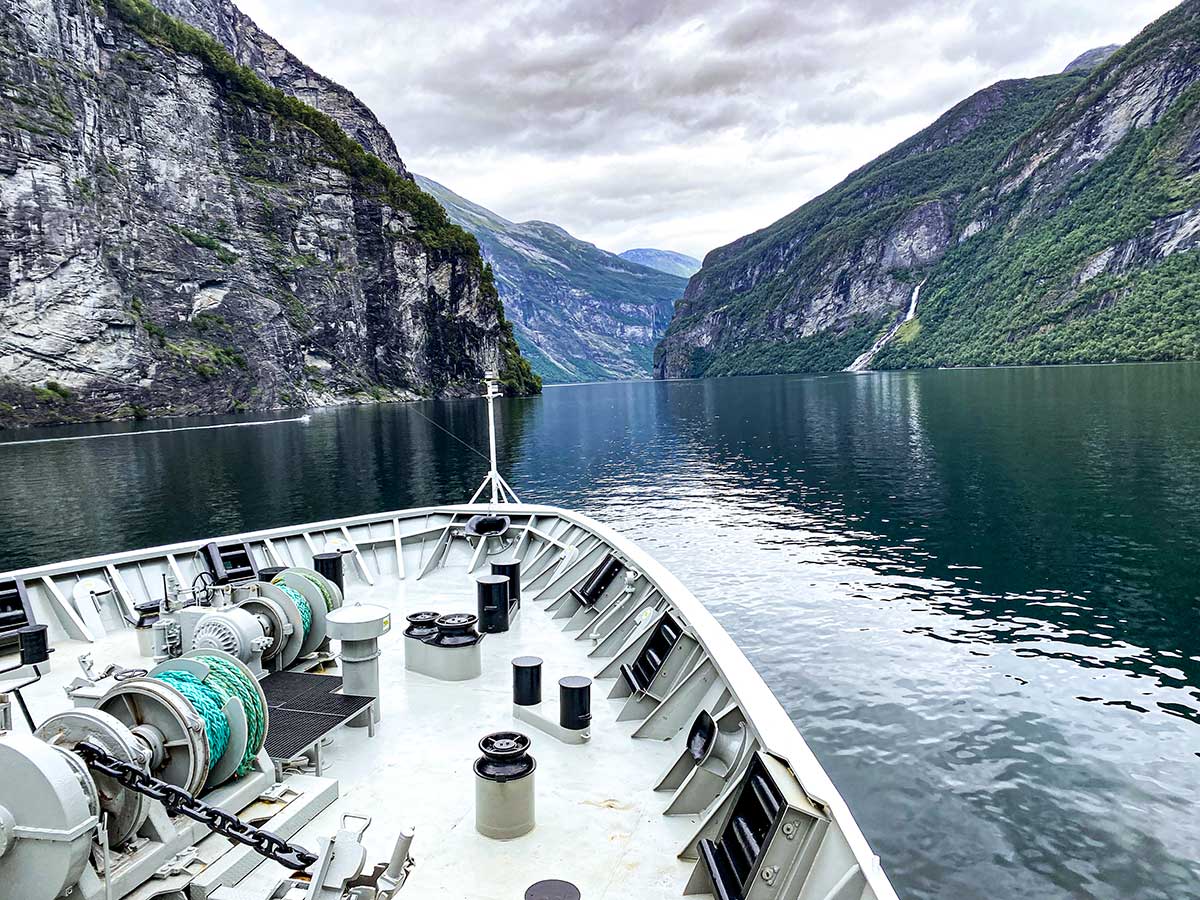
x=600 y=823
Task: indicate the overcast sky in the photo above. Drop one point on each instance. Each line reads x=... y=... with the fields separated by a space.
x=683 y=125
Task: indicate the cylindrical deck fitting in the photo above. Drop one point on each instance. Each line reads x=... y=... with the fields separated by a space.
x=504 y=795
x=35 y=645
x=332 y=567
x=510 y=568
x=492 y=597
x=422 y=628
x=575 y=702
x=453 y=654
x=527 y=680
x=359 y=629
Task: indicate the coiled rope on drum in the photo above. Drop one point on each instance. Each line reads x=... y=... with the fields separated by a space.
x=301 y=604
x=208 y=703
x=230 y=680
x=323 y=587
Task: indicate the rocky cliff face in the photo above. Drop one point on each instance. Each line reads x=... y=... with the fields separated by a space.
x=810 y=292
x=1090 y=59
x=1044 y=218
x=579 y=313
x=253 y=47
x=178 y=237
x=1076 y=247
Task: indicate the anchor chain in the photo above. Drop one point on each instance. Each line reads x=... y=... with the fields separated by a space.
x=179 y=801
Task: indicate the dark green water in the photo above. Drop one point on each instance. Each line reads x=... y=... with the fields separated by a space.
x=977 y=592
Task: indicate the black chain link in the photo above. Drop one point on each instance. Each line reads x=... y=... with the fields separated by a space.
x=178 y=801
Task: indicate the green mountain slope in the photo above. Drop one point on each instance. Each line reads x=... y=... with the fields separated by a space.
x=578 y=312
x=1089 y=255
x=1044 y=220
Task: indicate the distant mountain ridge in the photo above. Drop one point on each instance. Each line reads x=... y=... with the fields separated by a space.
x=1045 y=220
x=664 y=260
x=1088 y=60
x=579 y=313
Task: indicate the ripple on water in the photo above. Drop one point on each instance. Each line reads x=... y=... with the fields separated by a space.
x=974 y=591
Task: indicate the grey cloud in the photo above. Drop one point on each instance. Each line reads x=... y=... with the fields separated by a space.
x=692 y=104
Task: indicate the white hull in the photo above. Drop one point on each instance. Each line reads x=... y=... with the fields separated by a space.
x=600 y=821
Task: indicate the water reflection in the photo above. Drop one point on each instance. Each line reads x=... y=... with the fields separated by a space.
x=974 y=591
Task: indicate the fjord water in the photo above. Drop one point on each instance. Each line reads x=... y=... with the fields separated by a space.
x=976 y=592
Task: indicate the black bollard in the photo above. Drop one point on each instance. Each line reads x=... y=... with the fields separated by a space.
x=575 y=702
x=492 y=598
x=527 y=680
x=331 y=566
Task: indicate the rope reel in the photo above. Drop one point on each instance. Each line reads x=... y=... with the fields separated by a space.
x=313 y=597
x=202 y=718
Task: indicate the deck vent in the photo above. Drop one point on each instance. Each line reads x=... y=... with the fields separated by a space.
x=230 y=562
x=504 y=795
x=762 y=840
x=15 y=612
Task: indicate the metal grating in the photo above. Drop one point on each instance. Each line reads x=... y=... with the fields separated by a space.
x=304 y=709
x=292 y=731
x=294 y=689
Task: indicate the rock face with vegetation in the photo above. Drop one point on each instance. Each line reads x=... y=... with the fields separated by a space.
x=254 y=48
x=178 y=235
x=579 y=313
x=1047 y=221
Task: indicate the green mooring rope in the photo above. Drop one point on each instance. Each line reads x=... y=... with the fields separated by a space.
x=230 y=681
x=208 y=703
x=323 y=587
x=301 y=604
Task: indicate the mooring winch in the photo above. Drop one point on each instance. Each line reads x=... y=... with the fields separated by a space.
x=268 y=625
x=100 y=799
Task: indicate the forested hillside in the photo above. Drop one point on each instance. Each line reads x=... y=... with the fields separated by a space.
x=1046 y=221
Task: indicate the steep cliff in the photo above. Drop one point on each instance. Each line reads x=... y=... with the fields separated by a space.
x=1043 y=219
x=178 y=236
x=1077 y=246
x=254 y=48
x=810 y=292
x=1090 y=59
x=579 y=313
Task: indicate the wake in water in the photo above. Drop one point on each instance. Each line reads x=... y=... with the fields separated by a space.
x=119 y=434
